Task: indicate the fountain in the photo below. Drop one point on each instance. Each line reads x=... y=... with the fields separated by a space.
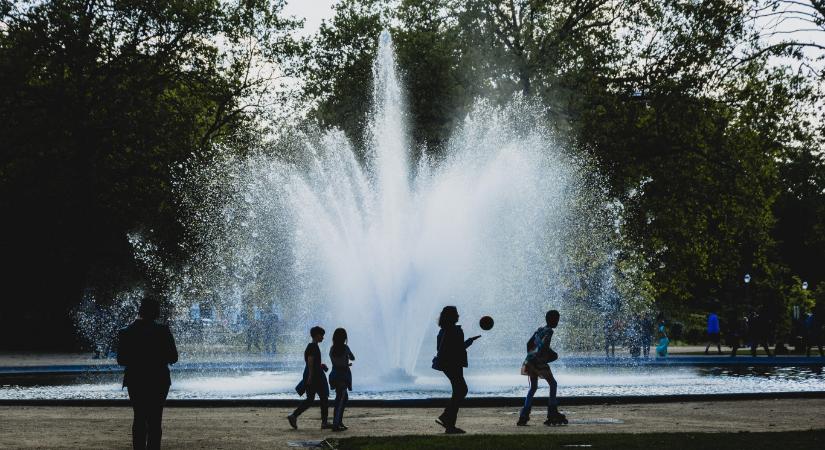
x=379 y=246
x=501 y=222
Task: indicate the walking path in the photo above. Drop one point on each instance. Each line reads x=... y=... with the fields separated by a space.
x=109 y=427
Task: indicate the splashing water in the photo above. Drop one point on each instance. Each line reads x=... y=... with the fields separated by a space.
x=503 y=224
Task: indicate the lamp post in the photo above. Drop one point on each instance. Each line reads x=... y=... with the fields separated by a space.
x=747 y=282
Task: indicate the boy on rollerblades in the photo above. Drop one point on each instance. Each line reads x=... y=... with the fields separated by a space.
x=536 y=365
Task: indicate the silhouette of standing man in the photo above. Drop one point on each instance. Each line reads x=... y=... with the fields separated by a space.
x=146 y=349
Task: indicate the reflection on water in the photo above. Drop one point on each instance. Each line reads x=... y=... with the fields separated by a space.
x=580 y=381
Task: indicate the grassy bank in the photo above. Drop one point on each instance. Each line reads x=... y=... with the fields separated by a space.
x=814 y=439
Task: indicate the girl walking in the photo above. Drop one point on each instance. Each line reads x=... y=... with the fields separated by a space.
x=340 y=378
x=452 y=359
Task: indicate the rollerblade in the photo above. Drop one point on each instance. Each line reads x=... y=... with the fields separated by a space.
x=556 y=418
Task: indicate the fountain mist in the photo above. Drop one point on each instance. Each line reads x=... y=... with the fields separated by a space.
x=502 y=224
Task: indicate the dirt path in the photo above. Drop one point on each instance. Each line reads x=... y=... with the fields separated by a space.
x=81 y=427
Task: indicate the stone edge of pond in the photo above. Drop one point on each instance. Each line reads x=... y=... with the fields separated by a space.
x=471 y=402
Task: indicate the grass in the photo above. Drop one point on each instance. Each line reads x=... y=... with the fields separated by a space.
x=813 y=439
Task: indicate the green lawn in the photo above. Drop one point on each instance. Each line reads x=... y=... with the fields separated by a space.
x=664 y=441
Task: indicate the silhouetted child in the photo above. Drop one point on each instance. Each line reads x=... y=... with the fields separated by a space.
x=340 y=378
x=537 y=365
x=314 y=380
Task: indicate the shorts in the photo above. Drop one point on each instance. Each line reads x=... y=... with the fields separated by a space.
x=536 y=370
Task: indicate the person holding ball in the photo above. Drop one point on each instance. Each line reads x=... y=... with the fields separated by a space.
x=452 y=359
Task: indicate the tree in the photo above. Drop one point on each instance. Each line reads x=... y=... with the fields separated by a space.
x=99 y=102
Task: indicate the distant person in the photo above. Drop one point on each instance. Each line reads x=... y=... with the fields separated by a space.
x=738 y=333
x=713 y=333
x=814 y=331
x=146 y=349
x=270 y=332
x=452 y=359
x=253 y=329
x=314 y=381
x=664 y=341
x=760 y=331
x=536 y=365
x=646 y=334
x=610 y=335
x=340 y=378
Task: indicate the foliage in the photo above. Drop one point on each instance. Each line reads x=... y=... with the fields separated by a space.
x=710 y=147
x=100 y=100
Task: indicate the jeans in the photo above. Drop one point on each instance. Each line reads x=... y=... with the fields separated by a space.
x=341 y=397
x=147 y=405
x=552 y=401
x=307 y=402
x=456 y=377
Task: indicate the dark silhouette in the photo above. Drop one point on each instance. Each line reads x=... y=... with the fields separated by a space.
x=452 y=359
x=814 y=331
x=314 y=380
x=146 y=349
x=536 y=365
x=646 y=334
x=270 y=332
x=713 y=333
x=611 y=334
x=340 y=378
x=759 y=328
x=253 y=329
x=738 y=333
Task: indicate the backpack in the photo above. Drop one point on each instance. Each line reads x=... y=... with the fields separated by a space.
x=533 y=347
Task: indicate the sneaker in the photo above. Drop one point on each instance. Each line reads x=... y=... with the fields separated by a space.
x=326 y=426
x=343 y=427
x=522 y=421
x=293 y=421
x=338 y=428
x=454 y=430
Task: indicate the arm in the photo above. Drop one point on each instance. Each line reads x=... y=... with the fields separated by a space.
x=470 y=341
x=310 y=360
x=173 y=349
x=467 y=342
x=350 y=355
x=122 y=349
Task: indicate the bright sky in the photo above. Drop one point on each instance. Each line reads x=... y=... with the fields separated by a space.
x=312 y=10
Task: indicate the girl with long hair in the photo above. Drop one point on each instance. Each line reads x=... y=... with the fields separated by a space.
x=452 y=359
x=340 y=378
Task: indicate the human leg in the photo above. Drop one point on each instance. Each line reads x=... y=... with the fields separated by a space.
x=155 y=419
x=324 y=398
x=305 y=404
x=140 y=409
x=459 y=386
x=340 y=402
x=552 y=401
x=524 y=415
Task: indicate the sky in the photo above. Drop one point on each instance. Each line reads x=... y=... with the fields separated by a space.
x=312 y=10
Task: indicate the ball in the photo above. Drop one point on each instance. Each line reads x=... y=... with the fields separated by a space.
x=486 y=323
